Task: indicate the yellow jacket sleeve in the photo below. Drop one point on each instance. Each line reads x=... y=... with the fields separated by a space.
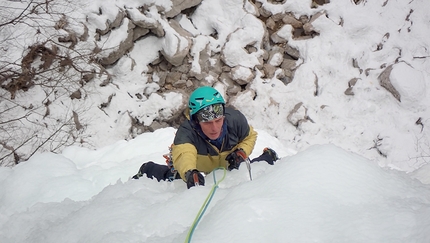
x=184 y=158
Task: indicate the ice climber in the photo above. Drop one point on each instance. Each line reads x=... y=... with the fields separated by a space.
x=212 y=136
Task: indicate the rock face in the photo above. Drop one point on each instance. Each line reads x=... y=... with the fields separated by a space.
x=186 y=59
x=126 y=67
x=148 y=54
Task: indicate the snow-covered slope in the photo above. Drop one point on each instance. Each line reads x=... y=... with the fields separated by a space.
x=323 y=194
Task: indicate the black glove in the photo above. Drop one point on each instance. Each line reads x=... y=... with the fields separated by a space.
x=193 y=177
x=235 y=158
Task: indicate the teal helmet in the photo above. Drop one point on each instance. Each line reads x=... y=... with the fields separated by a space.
x=202 y=97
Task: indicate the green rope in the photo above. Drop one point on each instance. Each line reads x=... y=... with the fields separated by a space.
x=205 y=204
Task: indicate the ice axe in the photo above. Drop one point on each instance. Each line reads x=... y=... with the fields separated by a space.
x=242 y=154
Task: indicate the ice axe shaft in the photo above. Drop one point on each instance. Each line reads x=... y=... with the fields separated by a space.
x=248 y=165
x=247 y=161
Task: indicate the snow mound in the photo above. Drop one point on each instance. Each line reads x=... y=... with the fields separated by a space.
x=323 y=194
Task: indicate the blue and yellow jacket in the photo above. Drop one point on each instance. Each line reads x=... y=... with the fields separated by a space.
x=191 y=149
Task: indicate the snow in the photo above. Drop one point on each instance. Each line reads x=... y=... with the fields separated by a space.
x=358 y=172
x=411 y=85
x=322 y=194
